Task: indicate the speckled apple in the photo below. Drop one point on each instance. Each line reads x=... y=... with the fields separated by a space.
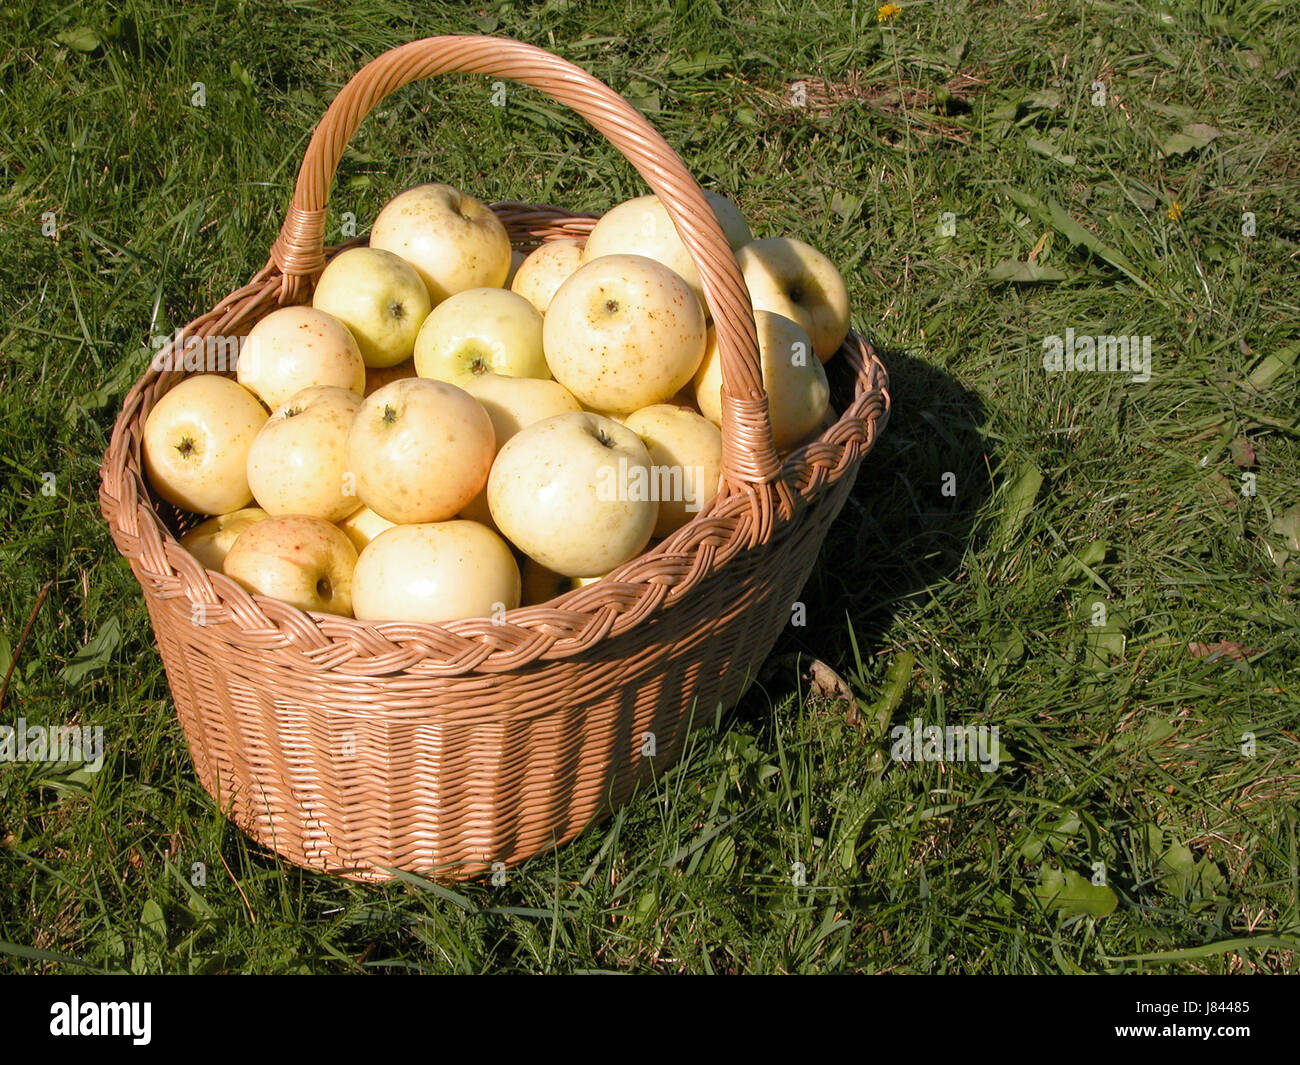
x=623 y=332
x=295 y=348
x=420 y=450
x=304 y=561
x=435 y=572
x=453 y=241
x=299 y=462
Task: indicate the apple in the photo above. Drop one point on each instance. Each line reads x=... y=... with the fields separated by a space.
x=512 y=403
x=453 y=241
x=362 y=526
x=434 y=572
x=295 y=348
x=210 y=541
x=641 y=226
x=378 y=376
x=794 y=279
x=686 y=453
x=299 y=462
x=546 y=269
x=307 y=562
x=623 y=332
x=793 y=377
x=420 y=450
x=196 y=444
x=481 y=331
x=573 y=492
x=379 y=297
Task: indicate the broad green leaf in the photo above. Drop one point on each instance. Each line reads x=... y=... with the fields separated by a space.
x=1187 y=876
x=241 y=75
x=152 y=941
x=1014 y=270
x=80 y=39
x=1154 y=732
x=1072 y=895
x=6 y=654
x=152 y=922
x=1107 y=640
x=1182 y=873
x=1193 y=136
x=897 y=678
x=846 y=206
x=1288 y=525
x=1020 y=495
x=722 y=856
x=1083 y=561
x=1274 y=365
x=1050 y=150
x=95 y=655
x=1052 y=213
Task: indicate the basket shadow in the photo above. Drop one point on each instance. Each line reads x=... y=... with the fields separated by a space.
x=906 y=526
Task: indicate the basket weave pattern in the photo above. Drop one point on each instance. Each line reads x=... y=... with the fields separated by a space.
x=356 y=747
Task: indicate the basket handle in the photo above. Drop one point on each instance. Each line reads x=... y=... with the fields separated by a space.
x=749 y=456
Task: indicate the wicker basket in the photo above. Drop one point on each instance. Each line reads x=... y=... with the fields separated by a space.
x=360 y=748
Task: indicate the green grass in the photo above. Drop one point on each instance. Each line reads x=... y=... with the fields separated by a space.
x=972 y=606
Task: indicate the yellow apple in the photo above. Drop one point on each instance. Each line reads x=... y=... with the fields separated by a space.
x=304 y=561
x=795 y=381
x=362 y=526
x=794 y=279
x=210 y=541
x=434 y=572
x=573 y=492
x=623 y=332
x=481 y=331
x=641 y=226
x=299 y=462
x=545 y=270
x=686 y=453
x=379 y=297
x=512 y=403
x=420 y=450
x=196 y=444
x=453 y=241
x=295 y=348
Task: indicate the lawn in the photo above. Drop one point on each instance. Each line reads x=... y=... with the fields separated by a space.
x=1102 y=566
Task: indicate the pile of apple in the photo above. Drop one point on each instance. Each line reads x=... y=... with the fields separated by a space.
x=455 y=429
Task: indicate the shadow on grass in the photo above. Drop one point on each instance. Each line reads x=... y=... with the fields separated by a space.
x=909 y=520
